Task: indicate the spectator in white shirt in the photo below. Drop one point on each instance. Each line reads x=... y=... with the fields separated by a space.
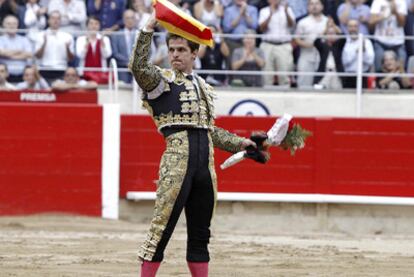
x=34 y=19
x=277 y=21
x=388 y=19
x=54 y=49
x=350 y=55
x=309 y=28
x=93 y=50
x=73 y=13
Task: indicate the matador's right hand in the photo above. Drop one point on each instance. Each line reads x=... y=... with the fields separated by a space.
x=151 y=23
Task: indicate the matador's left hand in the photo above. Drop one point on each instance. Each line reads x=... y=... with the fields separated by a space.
x=259 y=152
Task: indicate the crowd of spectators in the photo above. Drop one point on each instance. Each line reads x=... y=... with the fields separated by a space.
x=305 y=36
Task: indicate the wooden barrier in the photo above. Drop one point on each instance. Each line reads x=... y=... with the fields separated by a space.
x=51 y=158
x=373 y=157
x=57 y=158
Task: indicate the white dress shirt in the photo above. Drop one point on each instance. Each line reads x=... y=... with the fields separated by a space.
x=54 y=55
x=350 y=55
x=278 y=25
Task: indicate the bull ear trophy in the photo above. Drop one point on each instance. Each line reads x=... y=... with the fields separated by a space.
x=180 y=23
x=295 y=139
x=284 y=133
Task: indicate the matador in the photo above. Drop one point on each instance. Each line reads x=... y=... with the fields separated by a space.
x=181 y=104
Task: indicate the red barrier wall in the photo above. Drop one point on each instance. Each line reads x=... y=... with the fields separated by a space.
x=50 y=158
x=344 y=156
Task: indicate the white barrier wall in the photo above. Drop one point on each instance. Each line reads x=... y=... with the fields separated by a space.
x=263 y=102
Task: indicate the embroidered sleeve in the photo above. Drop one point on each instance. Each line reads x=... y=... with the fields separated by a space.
x=147 y=75
x=225 y=140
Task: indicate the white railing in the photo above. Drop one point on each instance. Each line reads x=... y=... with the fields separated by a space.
x=113 y=84
x=135 y=96
x=358 y=98
x=292 y=197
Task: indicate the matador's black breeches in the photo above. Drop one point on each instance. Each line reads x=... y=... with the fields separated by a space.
x=187 y=180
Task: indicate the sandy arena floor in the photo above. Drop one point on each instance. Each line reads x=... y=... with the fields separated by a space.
x=56 y=245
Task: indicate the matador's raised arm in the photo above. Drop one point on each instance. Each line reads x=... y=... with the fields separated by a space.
x=146 y=74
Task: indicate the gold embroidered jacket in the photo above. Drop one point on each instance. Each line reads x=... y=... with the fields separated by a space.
x=172 y=99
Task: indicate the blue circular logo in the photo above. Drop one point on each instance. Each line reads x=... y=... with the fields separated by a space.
x=249 y=107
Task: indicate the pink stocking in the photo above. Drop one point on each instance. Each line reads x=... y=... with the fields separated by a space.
x=198 y=269
x=149 y=269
